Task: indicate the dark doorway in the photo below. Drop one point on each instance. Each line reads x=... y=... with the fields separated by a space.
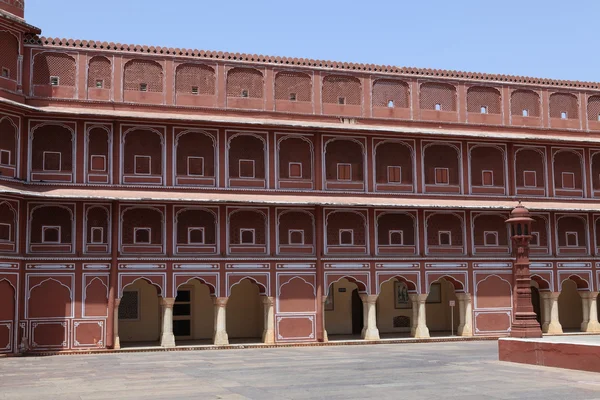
x=535 y=301
x=357 y=313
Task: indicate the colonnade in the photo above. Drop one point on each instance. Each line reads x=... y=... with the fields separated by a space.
x=550 y=315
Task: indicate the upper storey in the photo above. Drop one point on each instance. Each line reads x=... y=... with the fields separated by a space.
x=76 y=72
x=15 y=7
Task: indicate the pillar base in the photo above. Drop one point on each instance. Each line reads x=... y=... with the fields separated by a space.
x=167 y=340
x=268 y=336
x=593 y=327
x=421 y=332
x=325 y=338
x=465 y=331
x=117 y=343
x=371 y=334
x=554 y=329
x=221 y=339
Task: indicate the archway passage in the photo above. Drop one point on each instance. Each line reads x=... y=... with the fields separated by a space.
x=193 y=314
x=344 y=315
x=570 y=307
x=395 y=309
x=536 y=302
x=7 y=317
x=139 y=315
x=442 y=318
x=245 y=315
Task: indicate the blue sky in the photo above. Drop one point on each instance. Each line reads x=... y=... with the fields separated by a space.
x=550 y=39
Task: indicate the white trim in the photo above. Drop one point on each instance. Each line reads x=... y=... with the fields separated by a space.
x=49 y=227
x=4 y=151
x=338 y=172
x=483 y=173
x=399 y=181
x=341 y=232
x=563 y=186
x=290 y=164
x=9 y=233
x=59 y=161
x=525 y=173
x=570 y=233
x=135 y=231
x=251 y=162
x=290 y=234
x=492 y=233
x=391 y=232
x=98 y=156
x=188 y=165
x=436 y=169
x=96 y=229
x=135 y=164
x=449 y=233
x=244 y=230
x=192 y=229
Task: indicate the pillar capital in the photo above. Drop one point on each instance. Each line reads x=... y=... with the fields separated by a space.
x=268 y=301
x=553 y=295
x=369 y=298
x=463 y=296
x=167 y=302
x=588 y=295
x=117 y=302
x=220 y=301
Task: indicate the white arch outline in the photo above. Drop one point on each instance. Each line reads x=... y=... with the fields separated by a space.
x=292 y=279
x=524 y=90
x=253 y=280
x=542 y=153
x=398 y=212
x=550 y=288
x=202 y=281
x=159 y=292
x=350 y=279
x=278 y=155
x=581 y=167
x=503 y=151
x=108 y=221
x=292 y=210
x=459 y=161
x=444 y=212
x=568 y=278
x=352 y=211
x=395 y=278
x=584 y=219
x=486 y=278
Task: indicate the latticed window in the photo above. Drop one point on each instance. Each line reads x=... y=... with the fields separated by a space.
x=525 y=103
x=195 y=79
x=47 y=65
x=248 y=221
x=293 y=86
x=437 y=96
x=342 y=90
x=346 y=222
x=564 y=105
x=481 y=98
x=142 y=74
x=593 y=108
x=245 y=82
x=391 y=93
x=9 y=55
x=129 y=306
x=100 y=73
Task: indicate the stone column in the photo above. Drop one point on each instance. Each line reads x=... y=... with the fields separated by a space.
x=554 y=327
x=415 y=313
x=370 y=331
x=421 y=330
x=585 y=304
x=116 y=340
x=465 y=309
x=220 y=337
x=325 y=338
x=546 y=311
x=593 y=324
x=167 y=339
x=268 y=336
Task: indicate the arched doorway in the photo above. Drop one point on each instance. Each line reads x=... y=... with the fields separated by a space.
x=193 y=313
x=344 y=315
x=536 y=302
x=139 y=315
x=441 y=320
x=7 y=316
x=245 y=315
x=394 y=309
x=570 y=308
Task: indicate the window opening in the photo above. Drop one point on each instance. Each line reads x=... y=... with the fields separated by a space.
x=296 y=236
x=341 y=100
x=98 y=163
x=195 y=90
x=97 y=234
x=295 y=170
x=5 y=72
x=245 y=93
x=247 y=236
x=5 y=157
x=142 y=165
x=441 y=176
x=52 y=161
x=99 y=84
x=529 y=178
x=394 y=174
x=390 y=103
x=5 y=232
x=396 y=237
x=292 y=96
x=344 y=172
x=143 y=87
x=484 y=109
x=51 y=234
x=196 y=166
x=142 y=235
x=195 y=235
x=526 y=113
x=438 y=107
x=487 y=178
x=535 y=239
x=568 y=180
x=247 y=169
x=490 y=238
x=445 y=238
x=54 y=80
x=563 y=115
x=346 y=237
x=572 y=239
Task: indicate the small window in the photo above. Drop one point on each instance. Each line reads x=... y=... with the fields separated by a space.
x=5 y=73
x=296 y=237
x=142 y=235
x=51 y=234
x=97 y=234
x=390 y=103
x=563 y=115
x=396 y=237
x=526 y=113
x=142 y=165
x=346 y=237
x=341 y=100
x=484 y=109
x=4 y=232
x=98 y=163
x=143 y=87
x=295 y=170
x=438 y=107
x=99 y=84
x=445 y=238
x=52 y=161
x=344 y=172
x=4 y=157
x=129 y=307
x=490 y=238
x=441 y=176
x=529 y=179
x=54 y=80
x=247 y=169
x=247 y=236
x=568 y=180
x=195 y=166
x=195 y=235
x=195 y=90
x=245 y=93
x=394 y=174
x=487 y=178
x=535 y=239
x=572 y=239
x=293 y=97
x=598 y=117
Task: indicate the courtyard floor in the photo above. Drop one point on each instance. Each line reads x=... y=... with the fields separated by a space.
x=451 y=370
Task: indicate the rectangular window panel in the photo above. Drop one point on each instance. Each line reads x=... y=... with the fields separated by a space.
x=535 y=239
x=397 y=238
x=247 y=236
x=50 y=234
x=529 y=179
x=142 y=235
x=129 y=307
x=487 y=178
x=247 y=169
x=344 y=172
x=296 y=237
x=142 y=165
x=4 y=232
x=572 y=239
x=51 y=161
x=445 y=238
x=195 y=235
x=4 y=157
x=295 y=170
x=490 y=238
x=394 y=174
x=98 y=163
x=568 y=180
x=441 y=176
x=196 y=166
x=346 y=237
x=97 y=235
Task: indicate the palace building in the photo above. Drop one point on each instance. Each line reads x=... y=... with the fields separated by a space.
x=168 y=196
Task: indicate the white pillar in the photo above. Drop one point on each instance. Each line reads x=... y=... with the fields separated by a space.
x=324 y=300
x=415 y=313
x=466 y=314
x=268 y=336
x=167 y=339
x=116 y=340
x=545 y=311
x=554 y=327
x=421 y=330
x=585 y=304
x=593 y=325
x=370 y=331
x=220 y=337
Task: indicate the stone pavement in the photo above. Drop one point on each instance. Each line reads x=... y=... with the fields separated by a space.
x=460 y=370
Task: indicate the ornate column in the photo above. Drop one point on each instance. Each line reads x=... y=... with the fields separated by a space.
x=220 y=337
x=554 y=327
x=268 y=336
x=415 y=313
x=585 y=304
x=465 y=309
x=370 y=331
x=116 y=340
x=167 y=339
x=546 y=311
x=593 y=324
x=421 y=330
x=524 y=323
x=325 y=338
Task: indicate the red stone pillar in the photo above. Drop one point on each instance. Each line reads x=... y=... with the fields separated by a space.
x=319 y=240
x=113 y=280
x=524 y=323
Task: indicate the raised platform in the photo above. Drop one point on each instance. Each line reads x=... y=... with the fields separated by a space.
x=581 y=352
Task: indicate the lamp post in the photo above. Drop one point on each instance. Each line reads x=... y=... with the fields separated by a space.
x=524 y=322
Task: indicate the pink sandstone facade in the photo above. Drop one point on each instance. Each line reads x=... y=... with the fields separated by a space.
x=176 y=196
